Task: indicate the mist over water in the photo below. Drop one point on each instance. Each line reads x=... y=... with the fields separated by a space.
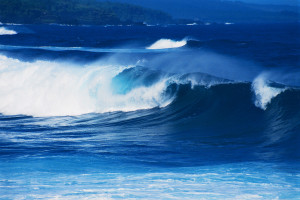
x=206 y=61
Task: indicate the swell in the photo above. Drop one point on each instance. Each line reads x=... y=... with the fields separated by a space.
x=216 y=115
x=217 y=122
x=225 y=118
x=231 y=105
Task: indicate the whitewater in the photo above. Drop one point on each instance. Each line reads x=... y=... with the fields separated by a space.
x=43 y=88
x=56 y=89
x=167 y=44
x=4 y=31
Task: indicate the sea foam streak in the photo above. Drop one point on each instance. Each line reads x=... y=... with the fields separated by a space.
x=167 y=44
x=86 y=49
x=46 y=88
x=264 y=93
x=4 y=31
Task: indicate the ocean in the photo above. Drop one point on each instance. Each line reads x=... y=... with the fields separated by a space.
x=150 y=112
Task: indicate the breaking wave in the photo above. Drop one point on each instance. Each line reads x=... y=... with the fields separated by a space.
x=167 y=44
x=46 y=88
x=264 y=91
x=4 y=31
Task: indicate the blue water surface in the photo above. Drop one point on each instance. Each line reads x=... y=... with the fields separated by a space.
x=90 y=112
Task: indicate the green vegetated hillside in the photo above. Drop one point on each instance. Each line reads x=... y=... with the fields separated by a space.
x=221 y=11
x=77 y=12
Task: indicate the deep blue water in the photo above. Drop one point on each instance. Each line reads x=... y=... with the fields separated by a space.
x=150 y=112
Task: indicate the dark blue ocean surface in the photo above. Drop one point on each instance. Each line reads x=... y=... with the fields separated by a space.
x=150 y=112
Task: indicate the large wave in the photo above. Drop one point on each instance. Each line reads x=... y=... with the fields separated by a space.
x=48 y=88
x=4 y=31
x=167 y=44
x=45 y=88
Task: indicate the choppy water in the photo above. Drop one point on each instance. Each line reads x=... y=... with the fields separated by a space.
x=175 y=112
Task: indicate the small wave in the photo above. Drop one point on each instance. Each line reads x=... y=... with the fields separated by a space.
x=4 y=31
x=264 y=92
x=11 y=24
x=167 y=44
x=192 y=24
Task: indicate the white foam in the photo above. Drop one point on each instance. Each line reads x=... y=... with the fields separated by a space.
x=263 y=92
x=231 y=181
x=167 y=44
x=4 y=31
x=192 y=24
x=45 y=88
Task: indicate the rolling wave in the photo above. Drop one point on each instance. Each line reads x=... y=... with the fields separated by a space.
x=4 y=31
x=44 y=88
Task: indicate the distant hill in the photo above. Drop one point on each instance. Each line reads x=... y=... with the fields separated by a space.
x=221 y=11
x=77 y=12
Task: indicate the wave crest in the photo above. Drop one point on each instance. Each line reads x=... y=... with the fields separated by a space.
x=45 y=88
x=264 y=92
x=4 y=31
x=167 y=44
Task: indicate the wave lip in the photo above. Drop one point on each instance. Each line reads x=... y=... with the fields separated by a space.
x=167 y=44
x=264 y=92
x=4 y=31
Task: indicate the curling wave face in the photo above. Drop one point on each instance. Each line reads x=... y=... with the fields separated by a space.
x=44 y=88
x=193 y=105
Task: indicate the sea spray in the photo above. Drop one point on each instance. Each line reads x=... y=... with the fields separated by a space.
x=264 y=93
x=43 y=88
